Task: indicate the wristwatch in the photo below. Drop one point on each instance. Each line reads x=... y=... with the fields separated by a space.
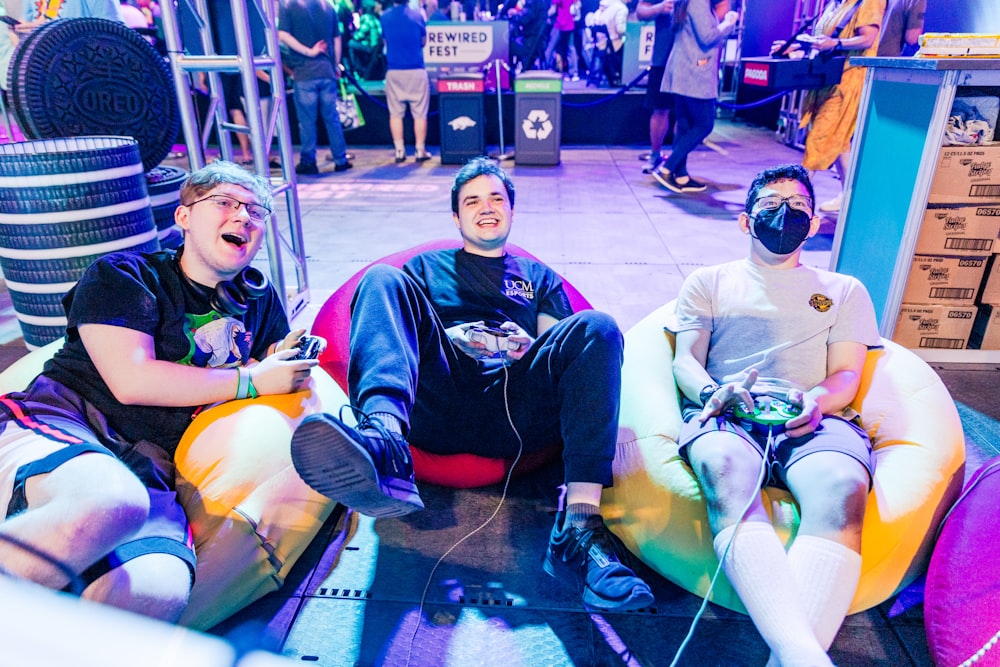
x=707 y=392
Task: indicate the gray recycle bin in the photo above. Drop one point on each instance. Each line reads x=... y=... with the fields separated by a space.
x=460 y=105
x=537 y=117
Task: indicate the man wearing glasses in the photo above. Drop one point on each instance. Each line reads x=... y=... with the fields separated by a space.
x=769 y=357
x=86 y=452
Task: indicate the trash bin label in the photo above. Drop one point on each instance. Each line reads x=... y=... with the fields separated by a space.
x=537 y=125
x=461 y=86
x=526 y=85
x=461 y=123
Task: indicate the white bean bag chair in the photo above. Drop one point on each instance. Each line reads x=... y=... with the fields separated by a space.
x=657 y=508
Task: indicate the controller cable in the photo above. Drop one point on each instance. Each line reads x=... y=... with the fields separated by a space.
x=486 y=522
x=768 y=447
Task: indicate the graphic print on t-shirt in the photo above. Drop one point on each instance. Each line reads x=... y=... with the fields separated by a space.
x=216 y=341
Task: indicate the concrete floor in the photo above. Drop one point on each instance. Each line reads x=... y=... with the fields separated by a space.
x=357 y=596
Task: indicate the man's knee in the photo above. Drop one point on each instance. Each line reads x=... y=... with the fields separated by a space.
x=153 y=584
x=598 y=326
x=94 y=492
x=381 y=277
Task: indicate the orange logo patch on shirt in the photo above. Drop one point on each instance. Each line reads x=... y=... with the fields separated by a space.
x=820 y=302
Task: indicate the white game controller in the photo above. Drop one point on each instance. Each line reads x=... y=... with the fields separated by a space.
x=496 y=341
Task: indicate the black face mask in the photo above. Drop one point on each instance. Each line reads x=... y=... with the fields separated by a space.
x=781 y=230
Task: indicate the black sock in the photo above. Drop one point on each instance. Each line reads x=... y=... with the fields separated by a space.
x=578 y=513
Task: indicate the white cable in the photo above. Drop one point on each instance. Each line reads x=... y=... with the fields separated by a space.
x=503 y=497
x=704 y=603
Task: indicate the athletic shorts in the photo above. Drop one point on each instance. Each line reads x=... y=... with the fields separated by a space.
x=407 y=86
x=43 y=428
x=654 y=98
x=833 y=434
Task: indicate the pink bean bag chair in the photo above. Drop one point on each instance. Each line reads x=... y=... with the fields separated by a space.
x=458 y=470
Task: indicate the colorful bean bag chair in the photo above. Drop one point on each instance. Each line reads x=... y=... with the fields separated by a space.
x=962 y=592
x=251 y=515
x=459 y=470
x=656 y=506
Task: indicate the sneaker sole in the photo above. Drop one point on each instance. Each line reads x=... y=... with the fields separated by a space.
x=662 y=180
x=332 y=463
x=640 y=598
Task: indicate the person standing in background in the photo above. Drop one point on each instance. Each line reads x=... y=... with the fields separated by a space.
x=851 y=28
x=315 y=71
x=901 y=27
x=692 y=75
x=406 y=82
x=656 y=101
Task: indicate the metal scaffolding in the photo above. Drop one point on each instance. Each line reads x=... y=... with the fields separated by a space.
x=284 y=234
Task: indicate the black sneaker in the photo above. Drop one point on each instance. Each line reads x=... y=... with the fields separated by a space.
x=368 y=468
x=344 y=166
x=691 y=185
x=306 y=169
x=594 y=560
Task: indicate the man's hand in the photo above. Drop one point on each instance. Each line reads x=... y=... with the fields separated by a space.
x=806 y=422
x=278 y=373
x=460 y=336
x=728 y=395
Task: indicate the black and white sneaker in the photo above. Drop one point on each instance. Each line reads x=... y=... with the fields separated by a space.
x=594 y=561
x=367 y=468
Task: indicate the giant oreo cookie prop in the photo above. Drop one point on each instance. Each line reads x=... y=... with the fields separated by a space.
x=63 y=204
x=77 y=77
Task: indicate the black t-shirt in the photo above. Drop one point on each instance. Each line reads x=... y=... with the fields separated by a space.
x=146 y=292
x=468 y=288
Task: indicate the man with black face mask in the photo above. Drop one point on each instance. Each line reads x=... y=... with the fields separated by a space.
x=769 y=356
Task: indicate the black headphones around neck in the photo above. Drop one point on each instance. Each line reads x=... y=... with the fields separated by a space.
x=230 y=297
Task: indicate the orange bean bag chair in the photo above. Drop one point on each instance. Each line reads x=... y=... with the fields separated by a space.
x=251 y=515
x=458 y=470
x=656 y=505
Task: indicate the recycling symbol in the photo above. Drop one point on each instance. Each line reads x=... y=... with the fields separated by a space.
x=537 y=125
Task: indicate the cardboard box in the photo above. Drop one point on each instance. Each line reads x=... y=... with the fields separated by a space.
x=986 y=329
x=967 y=175
x=991 y=282
x=944 y=279
x=959 y=230
x=936 y=326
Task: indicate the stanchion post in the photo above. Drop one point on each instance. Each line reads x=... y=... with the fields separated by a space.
x=502 y=155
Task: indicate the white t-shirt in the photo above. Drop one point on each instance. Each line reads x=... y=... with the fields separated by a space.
x=779 y=321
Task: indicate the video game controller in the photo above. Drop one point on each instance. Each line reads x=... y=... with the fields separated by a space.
x=309 y=348
x=495 y=340
x=768 y=411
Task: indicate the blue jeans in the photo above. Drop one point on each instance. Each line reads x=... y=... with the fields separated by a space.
x=323 y=93
x=566 y=387
x=695 y=120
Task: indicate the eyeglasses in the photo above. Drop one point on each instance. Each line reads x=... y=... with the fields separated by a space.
x=231 y=205
x=771 y=202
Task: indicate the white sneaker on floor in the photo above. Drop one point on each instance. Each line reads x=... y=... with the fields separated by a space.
x=833 y=205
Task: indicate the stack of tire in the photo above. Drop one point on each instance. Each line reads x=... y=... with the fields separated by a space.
x=101 y=103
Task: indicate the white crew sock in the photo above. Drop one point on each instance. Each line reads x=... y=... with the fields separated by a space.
x=757 y=567
x=827 y=574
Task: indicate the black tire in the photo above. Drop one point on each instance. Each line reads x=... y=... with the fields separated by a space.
x=92 y=76
x=87 y=232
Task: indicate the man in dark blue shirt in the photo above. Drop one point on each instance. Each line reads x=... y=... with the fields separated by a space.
x=475 y=350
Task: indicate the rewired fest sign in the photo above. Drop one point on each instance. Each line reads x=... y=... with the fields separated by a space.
x=466 y=46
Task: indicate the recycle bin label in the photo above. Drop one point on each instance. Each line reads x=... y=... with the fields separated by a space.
x=537 y=125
